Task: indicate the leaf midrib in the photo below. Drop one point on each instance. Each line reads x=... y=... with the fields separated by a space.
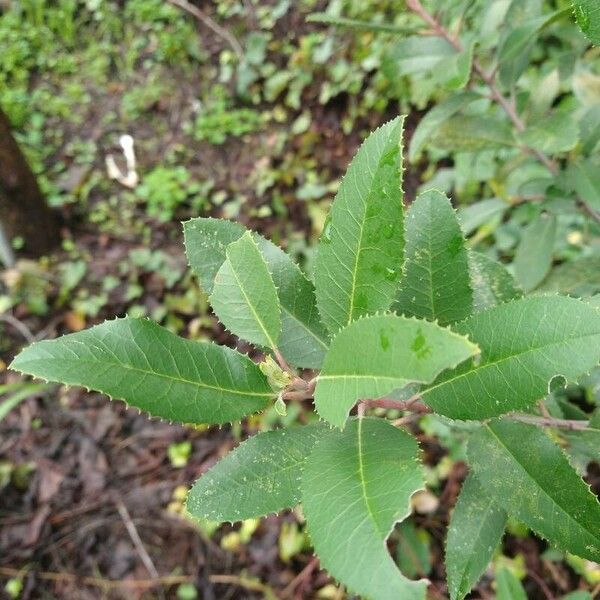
x=530 y=475
x=504 y=359
x=288 y=312
x=463 y=577
x=251 y=306
x=363 y=222
x=80 y=361
x=361 y=473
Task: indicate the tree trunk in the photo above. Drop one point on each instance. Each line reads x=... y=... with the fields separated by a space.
x=23 y=208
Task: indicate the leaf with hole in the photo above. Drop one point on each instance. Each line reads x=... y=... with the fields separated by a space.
x=524 y=344
x=356 y=485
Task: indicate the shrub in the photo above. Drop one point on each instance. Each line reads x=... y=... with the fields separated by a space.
x=402 y=316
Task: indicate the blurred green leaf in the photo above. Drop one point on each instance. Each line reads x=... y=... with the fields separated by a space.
x=552 y=134
x=415 y=55
x=585 y=178
x=455 y=70
x=514 y=51
x=413 y=551
x=492 y=283
x=579 y=277
x=21 y=393
x=435 y=117
x=320 y=17
x=508 y=587
x=533 y=257
x=479 y=213
x=473 y=133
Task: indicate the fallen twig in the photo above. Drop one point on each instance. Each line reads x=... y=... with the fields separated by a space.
x=211 y=24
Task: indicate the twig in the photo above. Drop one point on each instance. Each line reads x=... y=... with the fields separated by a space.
x=413 y=405
x=301 y=577
x=542 y=585
x=552 y=422
x=284 y=365
x=137 y=540
x=211 y=24
x=98 y=582
x=243 y=582
x=19 y=326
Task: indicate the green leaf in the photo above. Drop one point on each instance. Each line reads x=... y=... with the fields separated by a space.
x=579 y=277
x=533 y=257
x=206 y=242
x=356 y=485
x=476 y=528
x=473 y=133
x=152 y=369
x=524 y=344
x=436 y=282
x=454 y=71
x=377 y=355
x=551 y=134
x=435 y=117
x=413 y=553
x=304 y=339
x=481 y=213
x=320 y=17
x=515 y=50
x=508 y=586
x=585 y=177
x=587 y=13
x=529 y=476
x=244 y=295
x=415 y=55
x=261 y=476
x=360 y=252
x=492 y=284
x=13 y=400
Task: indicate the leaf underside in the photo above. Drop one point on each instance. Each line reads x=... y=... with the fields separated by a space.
x=379 y=354
x=524 y=345
x=359 y=256
x=261 y=476
x=436 y=282
x=528 y=475
x=476 y=527
x=304 y=339
x=149 y=367
x=356 y=485
x=244 y=295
